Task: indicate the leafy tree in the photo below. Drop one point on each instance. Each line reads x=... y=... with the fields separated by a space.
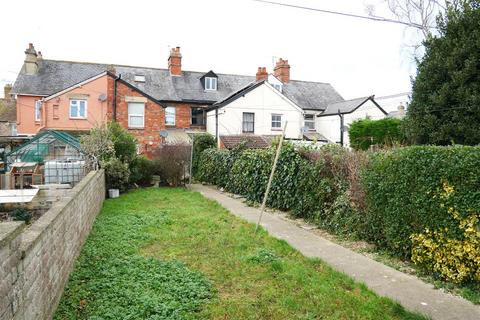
x=445 y=104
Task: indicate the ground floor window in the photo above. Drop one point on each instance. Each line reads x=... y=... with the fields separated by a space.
x=276 y=121
x=309 y=121
x=248 y=124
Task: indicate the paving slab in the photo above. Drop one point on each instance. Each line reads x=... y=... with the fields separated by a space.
x=411 y=292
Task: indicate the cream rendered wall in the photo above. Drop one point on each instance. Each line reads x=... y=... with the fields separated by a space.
x=263 y=101
x=329 y=126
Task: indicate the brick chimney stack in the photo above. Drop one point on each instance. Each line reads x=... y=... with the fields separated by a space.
x=262 y=74
x=175 y=62
x=30 y=65
x=6 y=91
x=282 y=70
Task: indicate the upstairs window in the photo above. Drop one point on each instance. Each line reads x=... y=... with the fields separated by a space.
x=78 y=109
x=248 y=125
x=38 y=110
x=136 y=114
x=210 y=83
x=276 y=121
x=309 y=122
x=170 y=116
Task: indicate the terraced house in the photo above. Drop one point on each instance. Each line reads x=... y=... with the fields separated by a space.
x=76 y=96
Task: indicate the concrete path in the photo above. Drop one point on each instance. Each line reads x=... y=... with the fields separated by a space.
x=409 y=291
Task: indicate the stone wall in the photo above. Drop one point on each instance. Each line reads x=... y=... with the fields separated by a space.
x=35 y=262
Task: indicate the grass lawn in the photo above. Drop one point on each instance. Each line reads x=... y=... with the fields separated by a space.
x=172 y=254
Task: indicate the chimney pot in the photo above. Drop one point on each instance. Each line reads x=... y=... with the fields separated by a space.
x=7 y=89
x=261 y=74
x=175 y=62
x=282 y=70
x=30 y=65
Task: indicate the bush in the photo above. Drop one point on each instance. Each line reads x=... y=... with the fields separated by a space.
x=124 y=143
x=141 y=171
x=456 y=259
x=213 y=166
x=402 y=187
x=385 y=132
x=117 y=174
x=171 y=162
x=201 y=142
x=21 y=214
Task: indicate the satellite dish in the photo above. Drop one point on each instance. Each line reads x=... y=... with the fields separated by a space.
x=163 y=133
x=102 y=97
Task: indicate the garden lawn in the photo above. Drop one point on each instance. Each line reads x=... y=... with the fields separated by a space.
x=172 y=254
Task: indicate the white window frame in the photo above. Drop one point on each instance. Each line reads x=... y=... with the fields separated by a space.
x=210 y=83
x=78 y=116
x=309 y=121
x=38 y=110
x=138 y=115
x=279 y=122
x=168 y=112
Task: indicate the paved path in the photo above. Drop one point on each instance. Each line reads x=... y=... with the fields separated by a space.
x=409 y=291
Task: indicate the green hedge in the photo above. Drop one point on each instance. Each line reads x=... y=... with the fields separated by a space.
x=404 y=186
x=365 y=132
x=389 y=198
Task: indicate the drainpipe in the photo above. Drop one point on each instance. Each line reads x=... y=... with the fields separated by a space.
x=115 y=97
x=216 y=125
x=341 y=128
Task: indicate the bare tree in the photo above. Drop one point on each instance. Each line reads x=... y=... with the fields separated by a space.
x=419 y=17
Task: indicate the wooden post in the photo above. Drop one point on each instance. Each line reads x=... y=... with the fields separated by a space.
x=270 y=179
x=191 y=159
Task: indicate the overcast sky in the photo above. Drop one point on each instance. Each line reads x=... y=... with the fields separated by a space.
x=357 y=57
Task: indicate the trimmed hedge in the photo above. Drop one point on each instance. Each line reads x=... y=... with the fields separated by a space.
x=404 y=186
x=365 y=132
x=395 y=199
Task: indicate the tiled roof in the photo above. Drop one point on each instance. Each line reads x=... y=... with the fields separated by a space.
x=346 y=106
x=315 y=136
x=54 y=76
x=251 y=141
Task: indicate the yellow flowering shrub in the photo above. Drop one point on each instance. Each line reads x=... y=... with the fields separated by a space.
x=456 y=259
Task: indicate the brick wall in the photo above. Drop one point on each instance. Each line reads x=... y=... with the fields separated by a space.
x=149 y=137
x=35 y=262
x=183 y=115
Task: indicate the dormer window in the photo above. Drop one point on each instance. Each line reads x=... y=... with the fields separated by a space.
x=210 y=83
x=139 y=78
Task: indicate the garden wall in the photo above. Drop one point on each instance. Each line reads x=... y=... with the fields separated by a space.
x=35 y=262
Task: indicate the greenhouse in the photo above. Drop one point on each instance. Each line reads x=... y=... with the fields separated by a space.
x=53 y=157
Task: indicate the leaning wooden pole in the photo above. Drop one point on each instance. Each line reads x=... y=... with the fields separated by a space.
x=270 y=179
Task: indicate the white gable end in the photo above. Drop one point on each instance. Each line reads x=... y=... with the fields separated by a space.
x=268 y=106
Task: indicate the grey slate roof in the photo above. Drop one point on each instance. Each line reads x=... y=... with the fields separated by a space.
x=346 y=106
x=54 y=76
